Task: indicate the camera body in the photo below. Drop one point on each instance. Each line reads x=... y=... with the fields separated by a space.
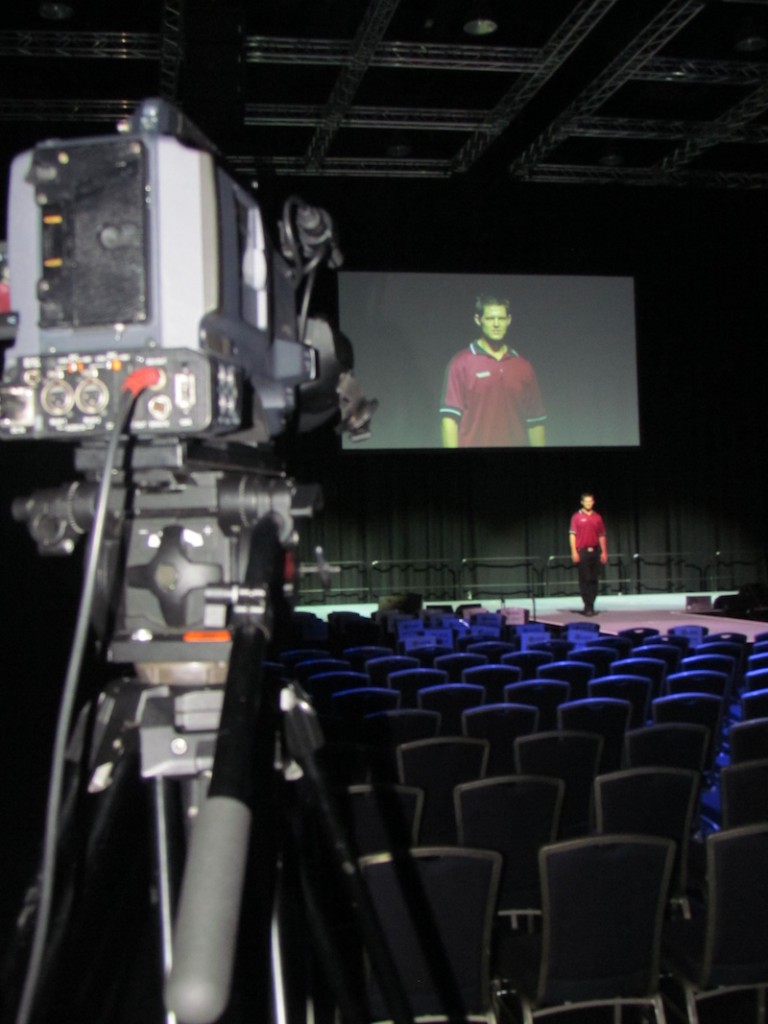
x=135 y=250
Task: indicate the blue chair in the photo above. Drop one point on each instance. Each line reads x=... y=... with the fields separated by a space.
x=652 y=668
x=409 y=681
x=500 y=725
x=527 y=661
x=606 y=716
x=544 y=694
x=635 y=689
x=358 y=655
x=576 y=673
x=455 y=663
x=573 y=757
x=378 y=669
x=450 y=700
x=639 y=634
x=493 y=679
x=670 y=653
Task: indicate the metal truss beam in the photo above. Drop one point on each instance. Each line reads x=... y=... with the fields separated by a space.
x=417 y=119
x=370 y=33
x=347 y=167
x=66 y=110
x=562 y=44
x=736 y=117
x=704 y=72
x=654 y=128
x=82 y=45
x=657 y=34
x=580 y=175
x=424 y=56
x=171 y=47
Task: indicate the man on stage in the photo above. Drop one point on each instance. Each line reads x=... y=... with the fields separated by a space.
x=589 y=549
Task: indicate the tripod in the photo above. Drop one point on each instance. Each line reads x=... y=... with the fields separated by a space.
x=221 y=761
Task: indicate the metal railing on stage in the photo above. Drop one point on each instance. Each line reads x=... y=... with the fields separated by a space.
x=561 y=578
x=436 y=579
x=346 y=581
x=733 y=569
x=514 y=576
x=670 y=571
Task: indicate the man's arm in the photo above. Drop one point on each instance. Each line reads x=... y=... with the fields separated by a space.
x=450 y=432
x=537 y=436
x=574 y=552
x=603 y=549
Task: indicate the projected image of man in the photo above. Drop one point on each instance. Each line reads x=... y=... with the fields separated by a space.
x=491 y=397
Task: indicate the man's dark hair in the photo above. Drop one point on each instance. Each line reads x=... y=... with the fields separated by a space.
x=489 y=300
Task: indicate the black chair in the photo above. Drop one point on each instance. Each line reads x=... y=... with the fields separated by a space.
x=725 y=950
x=654 y=802
x=302 y=670
x=669 y=653
x=576 y=673
x=744 y=793
x=450 y=700
x=754 y=704
x=638 y=635
x=622 y=645
x=651 y=668
x=381 y=817
x=558 y=647
x=527 y=661
x=436 y=911
x=359 y=655
x=606 y=716
x=698 y=681
x=712 y=663
x=748 y=741
x=604 y=899
x=321 y=687
x=292 y=656
x=493 y=677
x=409 y=681
x=455 y=663
x=383 y=731
x=755 y=679
x=352 y=706
x=669 y=745
x=571 y=756
x=378 y=669
x=492 y=649
x=437 y=766
x=695 y=708
x=516 y=815
x=635 y=689
x=544 y=694
x=601 y=658
x=500 y=724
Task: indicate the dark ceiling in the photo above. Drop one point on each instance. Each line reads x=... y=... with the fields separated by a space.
x=639 y=91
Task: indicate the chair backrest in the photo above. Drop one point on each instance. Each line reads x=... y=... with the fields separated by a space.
x=451 y=700
x=748 y=740
x=493 y=677
x=544 y=694
x=669 y=653
x=360 y=654
x=699 y=680
x=652 y=668
x=671 y=745
x=698 y=708
x=606 y=716
x=516 y=815
x=754 y=703
x=381 y=817
x=437 y=766
x=302 y=670
x=353 y=705
x=736 y=946
x=654 y=802
x=378 y=669
x=409 y=681
x=603 y=906
x=744 y=793
x=320 y=687
x=639 y=634
x=600 y=657
x=492 y=649
x=635 y=689
x=527 y=661
x=293 y=655
x=756 y=679
x=436 y=910
x=712 y=663
x=455 y=663
x=573 y=757
x=500 y=724
x=576 y=673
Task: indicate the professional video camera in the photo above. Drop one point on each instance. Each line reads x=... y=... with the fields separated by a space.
x=137 y=258
x=157 y=328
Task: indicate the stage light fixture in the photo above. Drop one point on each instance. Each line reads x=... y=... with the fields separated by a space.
x=480 y=20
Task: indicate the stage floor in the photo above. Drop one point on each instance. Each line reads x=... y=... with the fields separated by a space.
x=614 y=613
